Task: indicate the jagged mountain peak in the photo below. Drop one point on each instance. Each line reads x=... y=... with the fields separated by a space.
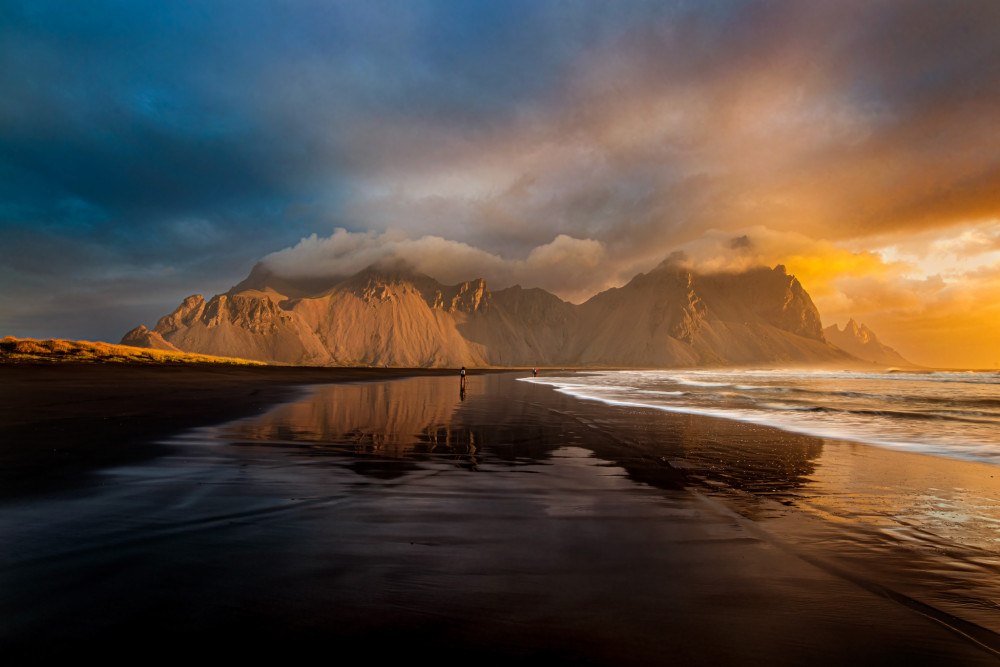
x=262 y=279
x=862 y=342
x=391 y=271
x=388 y=272
x=675 y=261
x=386 y=278
x=391 y=313
x=143 y=337
x=383 y=282
x=863 y=333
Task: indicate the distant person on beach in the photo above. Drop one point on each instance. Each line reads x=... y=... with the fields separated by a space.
x=534 y=372
x=462 y=386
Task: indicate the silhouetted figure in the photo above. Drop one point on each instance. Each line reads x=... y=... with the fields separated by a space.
x=462 y=387
x=534 y=372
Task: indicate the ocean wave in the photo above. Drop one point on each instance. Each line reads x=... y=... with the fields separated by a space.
x=892 y=410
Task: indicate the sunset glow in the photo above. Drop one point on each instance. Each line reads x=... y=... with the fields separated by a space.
x=160 y=151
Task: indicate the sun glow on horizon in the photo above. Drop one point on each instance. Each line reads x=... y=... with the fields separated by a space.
x=935 y=296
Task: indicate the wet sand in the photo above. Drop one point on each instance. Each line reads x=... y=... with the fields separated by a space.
x=59 y=421
x=405 y=519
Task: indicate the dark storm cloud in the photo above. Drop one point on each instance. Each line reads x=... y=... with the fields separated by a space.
x=196 y=137
x=153 y=149
x=140 y=111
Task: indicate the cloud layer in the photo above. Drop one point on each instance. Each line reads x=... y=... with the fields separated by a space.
x=573 y=268
x=149 y=150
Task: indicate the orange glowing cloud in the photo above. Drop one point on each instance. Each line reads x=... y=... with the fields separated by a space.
x=844 y=159
x=946 y=318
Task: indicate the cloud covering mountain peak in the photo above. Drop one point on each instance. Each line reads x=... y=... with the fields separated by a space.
x=566 y=266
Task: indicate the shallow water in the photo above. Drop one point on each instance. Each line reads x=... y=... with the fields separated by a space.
x=955 y=414
x=408 y=517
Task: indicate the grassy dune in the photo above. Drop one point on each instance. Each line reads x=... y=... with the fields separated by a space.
x=56 y=350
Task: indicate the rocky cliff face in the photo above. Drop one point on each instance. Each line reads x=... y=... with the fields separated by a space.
x=143 y=337
x=862 y=342
x=671 y=316
x=668 y=317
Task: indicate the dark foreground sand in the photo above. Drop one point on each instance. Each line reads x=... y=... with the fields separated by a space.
x=60 y=420
x=407 y=521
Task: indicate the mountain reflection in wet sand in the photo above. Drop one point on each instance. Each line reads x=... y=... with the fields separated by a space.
x=897 y=511
x=389 y=419
x=517 y=523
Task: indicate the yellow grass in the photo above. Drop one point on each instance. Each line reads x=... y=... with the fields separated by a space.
x=30 y=349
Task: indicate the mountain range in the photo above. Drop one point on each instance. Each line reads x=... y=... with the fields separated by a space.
x=392 y=315
x=862 y=342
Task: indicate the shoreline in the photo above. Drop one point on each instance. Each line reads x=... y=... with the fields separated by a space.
x=626 y=535
x=915 y=527
x=970 y=447
x=62 y=420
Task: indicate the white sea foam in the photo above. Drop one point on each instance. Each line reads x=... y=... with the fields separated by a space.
x=947 y=413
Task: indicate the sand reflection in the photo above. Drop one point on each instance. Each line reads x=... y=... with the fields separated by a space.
x=922 y=527
x=388 y=419
x=917 y=497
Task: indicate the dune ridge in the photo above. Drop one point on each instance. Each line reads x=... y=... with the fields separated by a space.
x=55 y=349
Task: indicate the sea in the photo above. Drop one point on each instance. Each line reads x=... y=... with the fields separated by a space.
x=945 y=413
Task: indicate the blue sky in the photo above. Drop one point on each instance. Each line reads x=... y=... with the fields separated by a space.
x=151 y=150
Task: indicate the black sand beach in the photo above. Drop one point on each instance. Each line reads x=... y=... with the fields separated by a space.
x=405 y=520
x=60 y=420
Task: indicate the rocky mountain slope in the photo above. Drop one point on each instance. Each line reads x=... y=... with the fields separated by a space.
x=143 y=337
x=862 y=342
x=667 y=317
